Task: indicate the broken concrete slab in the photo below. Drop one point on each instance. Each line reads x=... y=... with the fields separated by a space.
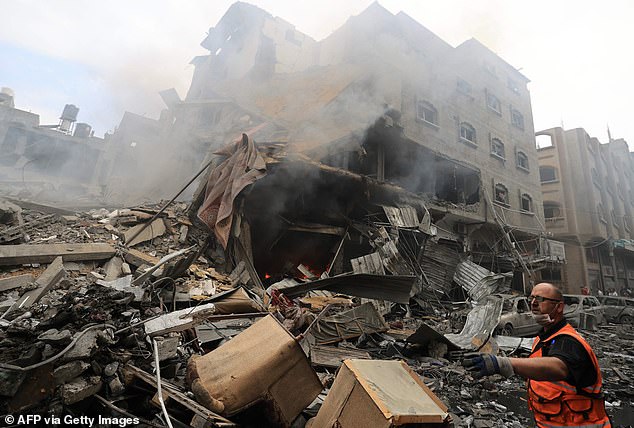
x=12 y=282
x=272 y=370
x=113 y=268
x=46 y=253
x=155 y=229
x=80 y=389
x=69 y=371
x=51 y=276
x=138 y=258
x=381 y=394
x=167 y=347
x=124 y=284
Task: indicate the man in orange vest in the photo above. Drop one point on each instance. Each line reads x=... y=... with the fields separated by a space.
x=563 y=375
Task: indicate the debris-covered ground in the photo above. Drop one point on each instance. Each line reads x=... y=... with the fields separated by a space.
x=89 y=311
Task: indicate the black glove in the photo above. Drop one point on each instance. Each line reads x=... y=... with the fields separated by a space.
x=486 y=365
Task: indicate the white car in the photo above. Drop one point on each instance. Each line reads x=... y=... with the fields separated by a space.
x=579 y=306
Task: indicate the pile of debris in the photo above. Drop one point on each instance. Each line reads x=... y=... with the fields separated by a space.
x=352 y=312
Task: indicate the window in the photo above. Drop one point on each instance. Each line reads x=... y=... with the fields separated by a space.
x=522 y=161
x=497 y=148
x=467 y=132
x=552 y=210
x=526 y=203
x=494 y=103
x=501 y=194
x=427 y=112
x=517 y=119
x=547 y=174
x=463 y=86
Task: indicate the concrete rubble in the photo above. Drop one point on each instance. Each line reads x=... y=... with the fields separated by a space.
x=236 y=346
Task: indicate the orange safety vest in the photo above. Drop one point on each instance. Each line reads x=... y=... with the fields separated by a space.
x=560 y=404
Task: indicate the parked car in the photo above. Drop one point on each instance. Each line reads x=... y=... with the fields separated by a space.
x=517 y=319
x=577 y=306
x=618 y=309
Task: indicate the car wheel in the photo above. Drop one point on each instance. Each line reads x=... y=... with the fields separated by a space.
x=626 y=319
x=507 y=330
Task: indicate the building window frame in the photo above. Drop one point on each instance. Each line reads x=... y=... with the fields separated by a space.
x=517 y=119
x=526 y=204
x=501 y=194
x=427 y=113
x=554 y=171
x=468 y=134
x=493 y=103
x=497 y=149
x=553 y=210
x=521 y=161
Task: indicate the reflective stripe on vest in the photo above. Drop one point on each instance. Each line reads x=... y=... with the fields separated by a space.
x=601 y=425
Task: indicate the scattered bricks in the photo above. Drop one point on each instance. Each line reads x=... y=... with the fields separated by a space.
x=67 y=372
x=80 y=389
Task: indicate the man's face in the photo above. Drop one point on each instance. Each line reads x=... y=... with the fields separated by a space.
x=549 y=304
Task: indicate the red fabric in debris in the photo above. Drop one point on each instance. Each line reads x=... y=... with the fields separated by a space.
x=243 y=166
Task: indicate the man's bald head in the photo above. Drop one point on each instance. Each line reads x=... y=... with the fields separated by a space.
x=546 y=289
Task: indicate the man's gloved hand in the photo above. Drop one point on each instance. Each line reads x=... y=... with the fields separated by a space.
x=486 y=365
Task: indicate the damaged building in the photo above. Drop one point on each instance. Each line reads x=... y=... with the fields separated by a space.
x=386 y=99
x=593 y=222
x=53 y=162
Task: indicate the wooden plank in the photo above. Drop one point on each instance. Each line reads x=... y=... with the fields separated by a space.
x=15 y=281
x=46 y=253
x=330 y=356
x=212 y=418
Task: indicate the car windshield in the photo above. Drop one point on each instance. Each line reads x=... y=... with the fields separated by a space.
x=571 y=300
x=629 y=303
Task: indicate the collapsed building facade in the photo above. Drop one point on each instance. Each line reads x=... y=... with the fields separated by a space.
x=386 y=101
x=592 y=222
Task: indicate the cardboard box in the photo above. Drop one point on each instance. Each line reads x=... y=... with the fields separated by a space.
x=379 y=394
x=262 y=365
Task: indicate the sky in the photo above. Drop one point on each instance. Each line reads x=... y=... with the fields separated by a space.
x=108 y=57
